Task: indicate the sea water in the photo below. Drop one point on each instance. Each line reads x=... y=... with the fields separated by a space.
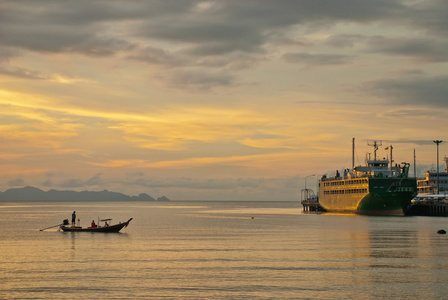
x=219 y=250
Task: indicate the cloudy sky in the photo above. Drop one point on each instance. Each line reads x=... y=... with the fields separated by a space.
x=219 y=100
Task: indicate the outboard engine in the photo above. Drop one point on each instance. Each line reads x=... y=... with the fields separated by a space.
x=65 y=222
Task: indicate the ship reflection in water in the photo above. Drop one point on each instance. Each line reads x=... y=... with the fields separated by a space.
x=391 y=253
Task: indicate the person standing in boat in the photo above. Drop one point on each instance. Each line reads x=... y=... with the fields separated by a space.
x=93 y=225
x=74 y=218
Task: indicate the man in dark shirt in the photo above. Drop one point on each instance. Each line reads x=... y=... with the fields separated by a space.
x=74 y=218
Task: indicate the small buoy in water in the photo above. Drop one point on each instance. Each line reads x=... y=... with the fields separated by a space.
x=253 y=217
x=441 y=231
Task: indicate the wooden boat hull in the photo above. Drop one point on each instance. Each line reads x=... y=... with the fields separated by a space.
x=111 y=228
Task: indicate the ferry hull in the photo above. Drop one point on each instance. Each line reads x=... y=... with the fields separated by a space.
x=389 y=204
x=378 y=196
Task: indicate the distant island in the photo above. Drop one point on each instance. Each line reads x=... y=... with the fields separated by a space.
x=30 y=193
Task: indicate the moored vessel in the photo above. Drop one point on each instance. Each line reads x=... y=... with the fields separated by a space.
x=434 y=182
x=378 y=188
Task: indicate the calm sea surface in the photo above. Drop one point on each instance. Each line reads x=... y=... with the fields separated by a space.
x=219 y=250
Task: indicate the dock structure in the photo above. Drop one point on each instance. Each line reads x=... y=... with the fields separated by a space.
x=311 y=206
x=310 y=201
x=431 y=209
x=429 y=205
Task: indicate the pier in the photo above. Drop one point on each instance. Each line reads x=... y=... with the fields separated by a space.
x=310 y=201
x=311 y=206
x=432 y=209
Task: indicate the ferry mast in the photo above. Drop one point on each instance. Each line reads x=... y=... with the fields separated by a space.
x=375 y=145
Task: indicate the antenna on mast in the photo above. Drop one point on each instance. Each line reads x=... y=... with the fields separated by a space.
x=375 y=145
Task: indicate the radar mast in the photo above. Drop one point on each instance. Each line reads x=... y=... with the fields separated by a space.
x=375 y=145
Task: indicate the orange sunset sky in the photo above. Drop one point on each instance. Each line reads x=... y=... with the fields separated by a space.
x=216 y=100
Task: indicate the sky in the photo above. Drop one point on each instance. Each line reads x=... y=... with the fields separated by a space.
x=216 y=100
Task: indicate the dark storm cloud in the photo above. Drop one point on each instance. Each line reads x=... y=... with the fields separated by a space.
x=213 y=35
x=317 y=59
x=61 y=38
x=423 y=91
x=430 y=16
x=227 y=26
x=56 y=26
x=6 y=54
x=157 y=56
x=21 y=72
x=421 y=48
x=200 y=80
x=345 y=40
x=210 y=27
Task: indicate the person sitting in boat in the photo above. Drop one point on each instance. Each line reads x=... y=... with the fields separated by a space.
x=106 y=224
x=93 y=225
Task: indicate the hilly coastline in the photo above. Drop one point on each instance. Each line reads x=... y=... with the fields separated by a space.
x=29 y=193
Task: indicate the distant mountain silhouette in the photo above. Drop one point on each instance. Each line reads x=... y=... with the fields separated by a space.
x=30 y=193
x=163 y=199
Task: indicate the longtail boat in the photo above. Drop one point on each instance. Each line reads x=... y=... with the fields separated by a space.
x=104 y=228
